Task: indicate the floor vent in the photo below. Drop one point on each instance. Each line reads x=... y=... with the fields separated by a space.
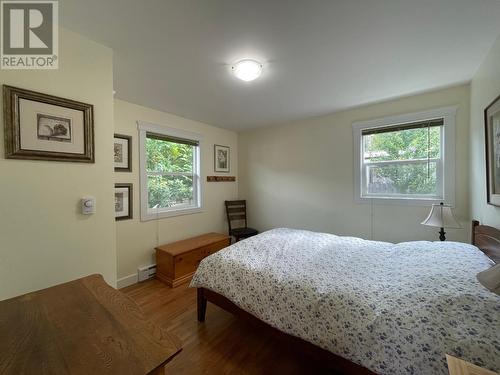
x=146 y=272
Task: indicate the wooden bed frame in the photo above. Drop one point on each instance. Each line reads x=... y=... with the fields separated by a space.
x=330 y=361
x=486 y=238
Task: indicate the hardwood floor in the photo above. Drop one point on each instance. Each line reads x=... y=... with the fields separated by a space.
x=221 y=345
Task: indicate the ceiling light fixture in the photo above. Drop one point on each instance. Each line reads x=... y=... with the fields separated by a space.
x=247 y=70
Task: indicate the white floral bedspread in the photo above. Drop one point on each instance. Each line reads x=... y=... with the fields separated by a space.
x=392 y=308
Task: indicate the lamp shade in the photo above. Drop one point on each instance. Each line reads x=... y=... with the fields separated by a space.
x=441 y=216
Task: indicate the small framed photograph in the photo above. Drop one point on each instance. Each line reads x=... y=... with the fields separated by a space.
x=221 y=158
x=123 y=153
x=492 y=135
x=123 y=201
x=45 y=127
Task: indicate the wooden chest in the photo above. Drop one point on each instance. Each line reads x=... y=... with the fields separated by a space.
x=177 y=262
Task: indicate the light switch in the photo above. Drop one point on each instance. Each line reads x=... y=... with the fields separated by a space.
x=88 y=205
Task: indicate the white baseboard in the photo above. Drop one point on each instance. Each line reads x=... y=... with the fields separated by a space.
x=127 y=281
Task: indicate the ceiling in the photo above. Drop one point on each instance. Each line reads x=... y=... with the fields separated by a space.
x=319 y=56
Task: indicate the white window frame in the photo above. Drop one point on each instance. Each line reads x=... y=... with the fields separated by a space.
x=151 y=214
x=447 y=164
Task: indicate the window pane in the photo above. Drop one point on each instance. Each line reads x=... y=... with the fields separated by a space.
x=170 y=191
x=395 y=179
x=165 y=156
x=403 y=145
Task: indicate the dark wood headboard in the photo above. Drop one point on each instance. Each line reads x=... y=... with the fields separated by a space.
x=487 y=239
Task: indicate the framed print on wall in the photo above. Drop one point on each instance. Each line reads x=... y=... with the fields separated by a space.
x=221 y=158
x=45 y=127
x=123 y=153
x=492 y=137
x=123 y=201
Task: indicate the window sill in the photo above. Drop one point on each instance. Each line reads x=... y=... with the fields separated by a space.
x=401 y=201
x=172 y=213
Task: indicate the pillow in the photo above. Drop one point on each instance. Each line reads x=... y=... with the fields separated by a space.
x=490 y=279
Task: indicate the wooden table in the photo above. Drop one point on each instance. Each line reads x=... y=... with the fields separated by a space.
x=80 y=327
x=460 y=367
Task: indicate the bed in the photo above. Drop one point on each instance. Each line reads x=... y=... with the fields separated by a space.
x=363 y=306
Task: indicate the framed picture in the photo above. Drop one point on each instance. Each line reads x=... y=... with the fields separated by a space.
x=492 y=135
x=45 y=127
x=123 y=153
x=123 y=201
x=221 y=158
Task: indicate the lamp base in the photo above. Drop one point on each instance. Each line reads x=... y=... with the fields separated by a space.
x=442 y=236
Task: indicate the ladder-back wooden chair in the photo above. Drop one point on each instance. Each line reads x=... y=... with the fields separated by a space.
x=236 y=211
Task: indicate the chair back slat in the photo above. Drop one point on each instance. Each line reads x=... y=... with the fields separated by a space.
x=237 y=203
x=237 y=216
x=232 y=210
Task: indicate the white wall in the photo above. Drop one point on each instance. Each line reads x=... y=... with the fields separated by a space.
x=300 y=175
x=136 y=240
x=44 y=240
x=485 y=87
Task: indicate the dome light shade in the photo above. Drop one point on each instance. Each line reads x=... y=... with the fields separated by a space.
x=247 y=70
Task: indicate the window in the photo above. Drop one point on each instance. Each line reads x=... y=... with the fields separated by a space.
x=170 y=172
x=406 y=159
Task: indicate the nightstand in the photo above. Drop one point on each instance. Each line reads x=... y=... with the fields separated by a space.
x=460 y=367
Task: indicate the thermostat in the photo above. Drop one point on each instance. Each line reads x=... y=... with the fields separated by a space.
x=88 y=205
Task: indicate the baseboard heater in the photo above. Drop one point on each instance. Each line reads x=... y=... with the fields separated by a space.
x=146 y=272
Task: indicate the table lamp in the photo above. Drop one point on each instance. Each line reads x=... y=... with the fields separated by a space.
x=442 y=217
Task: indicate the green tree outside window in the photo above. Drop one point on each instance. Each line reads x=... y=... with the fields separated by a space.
x=417 y=150
x=170 y=171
